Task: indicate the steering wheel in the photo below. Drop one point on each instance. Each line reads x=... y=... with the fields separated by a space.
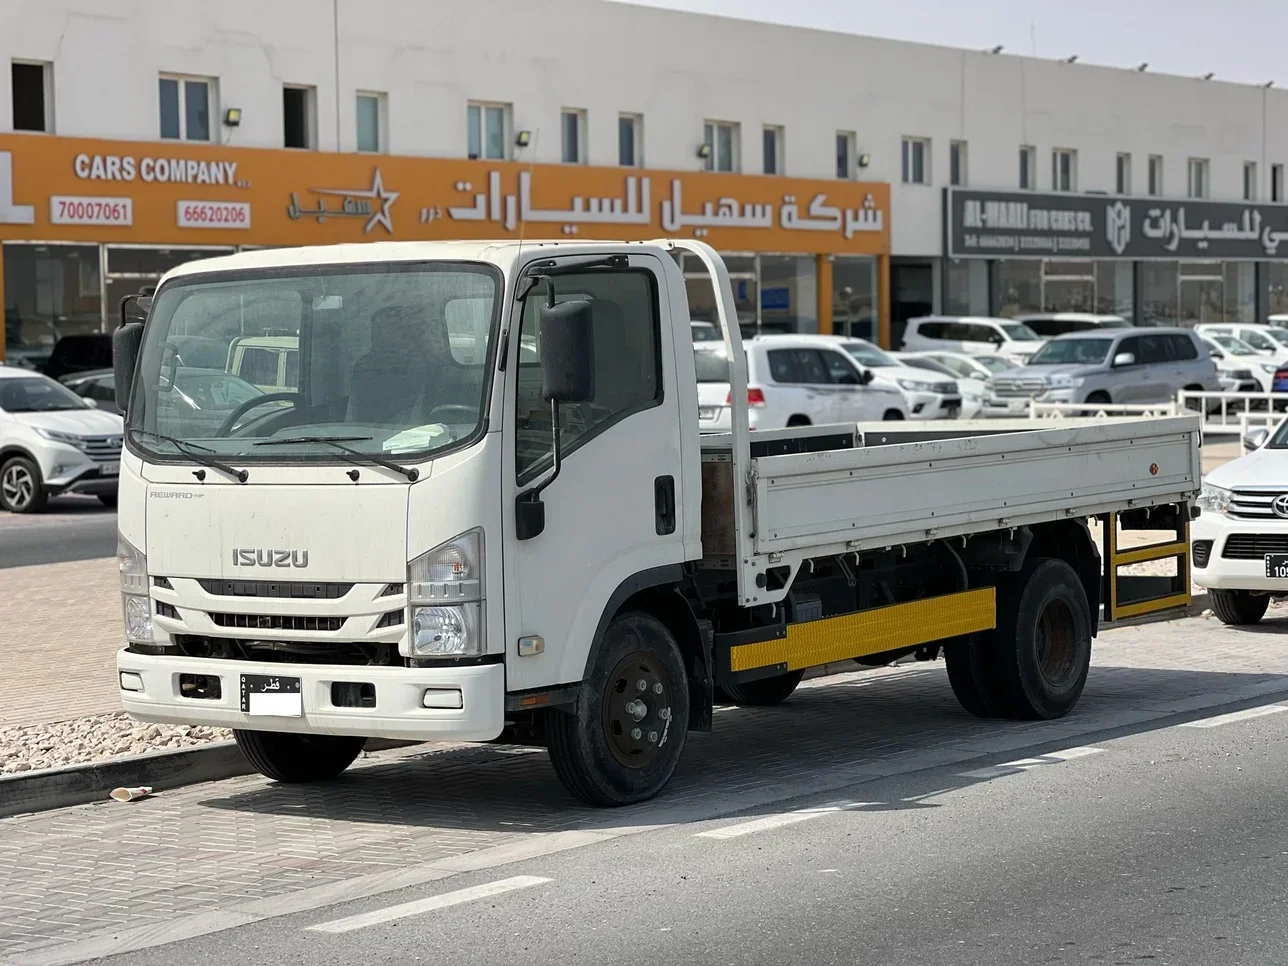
x=226 y=427
x=470 y=412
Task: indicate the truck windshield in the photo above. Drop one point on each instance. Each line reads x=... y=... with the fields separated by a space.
x=1063 y=352
x=392 y=356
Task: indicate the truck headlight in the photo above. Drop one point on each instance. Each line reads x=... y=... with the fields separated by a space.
x=1213 y=499
x=445 y=596
x=136 y=606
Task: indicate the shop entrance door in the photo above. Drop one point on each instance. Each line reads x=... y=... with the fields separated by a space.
x=1068 y=286
x=1202 y=299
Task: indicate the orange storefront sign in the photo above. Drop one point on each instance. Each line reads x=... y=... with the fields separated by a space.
x=179 y=194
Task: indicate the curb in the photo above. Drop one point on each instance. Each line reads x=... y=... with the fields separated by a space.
x=165 y=769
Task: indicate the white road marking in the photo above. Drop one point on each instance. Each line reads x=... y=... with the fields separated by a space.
x=1025 y=764
x=1233 y=716
x=777 y=820
x=419 y=906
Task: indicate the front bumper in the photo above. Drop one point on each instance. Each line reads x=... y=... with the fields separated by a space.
x=399 y=711
x=932 y=405
x=1222 y=573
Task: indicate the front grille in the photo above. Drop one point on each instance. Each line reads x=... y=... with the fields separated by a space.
x=1242 y=374
x=943 y=387
x=1018 y=387
x=1253 y=546
x=102 y=449
x=299 y=589
x=1201 y=551
x=1254 y=504
x=288 y=652
x=392 y=619
x=167 y=610
x=278 y=622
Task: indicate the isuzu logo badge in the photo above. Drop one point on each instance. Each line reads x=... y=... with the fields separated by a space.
x=248 y=557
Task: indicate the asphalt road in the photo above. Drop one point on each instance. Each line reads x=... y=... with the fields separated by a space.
x=1162 y=843
x=73 y=528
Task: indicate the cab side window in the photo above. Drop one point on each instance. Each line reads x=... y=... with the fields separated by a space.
x=628 y=364
x=934 y=330
x=1257 y=341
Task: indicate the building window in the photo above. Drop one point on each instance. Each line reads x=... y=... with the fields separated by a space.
x=371 y=121
x=724 y=143
x=1028 y=167
x=1249 y=181
x=1064 y=170
x=488 y=125
x=1122 y=180
x=845 y=143
x=957 y=163
x=33 y=96
x=186 y=107
x=630 y=140
x=773 y=149
x=916 y=161
x=1276 y=182
x=1198 y=177
x=572 y=136
x=299 y=117
x=1155 y=175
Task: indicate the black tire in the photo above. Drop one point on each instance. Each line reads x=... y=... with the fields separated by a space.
x=107 y=499
x=1041 y=649
x=22 y=489
x=1238 y=607
x=764 y=693
x=593 y=749
x=1098 y=399
x=891 y=415
x=294 y=759
x=798 y=421
x=971 y=675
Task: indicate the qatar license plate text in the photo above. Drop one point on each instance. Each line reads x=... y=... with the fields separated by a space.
x=1277 y=565
x=271 y=695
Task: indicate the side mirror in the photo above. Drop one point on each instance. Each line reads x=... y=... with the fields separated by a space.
x=135 y=308
x=1124 y=359
x=1255 y=439
x=996 y=339
x=866 y=376
x=567 y=352
x=125 y=358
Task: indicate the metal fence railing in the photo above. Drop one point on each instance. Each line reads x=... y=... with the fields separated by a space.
x=1223 y=413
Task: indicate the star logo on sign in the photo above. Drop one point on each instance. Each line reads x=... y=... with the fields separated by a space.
x=377 y=192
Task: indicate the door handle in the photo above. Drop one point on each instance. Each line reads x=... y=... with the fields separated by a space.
x=664 y=505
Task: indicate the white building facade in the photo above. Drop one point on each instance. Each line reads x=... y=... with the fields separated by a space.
x=603 y=85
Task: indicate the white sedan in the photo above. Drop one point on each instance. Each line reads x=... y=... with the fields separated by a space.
x=53 y=442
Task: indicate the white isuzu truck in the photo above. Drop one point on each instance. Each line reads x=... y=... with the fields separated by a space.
x=480 y=507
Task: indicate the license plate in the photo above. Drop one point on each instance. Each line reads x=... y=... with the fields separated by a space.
x=264 y=694
x=1277 y=565
x=707 y=412
x=109 y=469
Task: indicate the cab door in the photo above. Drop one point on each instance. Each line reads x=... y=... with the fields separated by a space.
x=614 y=515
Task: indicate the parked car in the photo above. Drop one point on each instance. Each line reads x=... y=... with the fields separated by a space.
x=79 y=353
x=1239 y=363
x=971 y=390
x=974 y=335
x=53 y=441
x=98 y=385
x=705 y=336
x=1268 y=340
x=1049 y=325
x=971 y=373
x=1107 y=366
x=793 y=381
x=928 y=397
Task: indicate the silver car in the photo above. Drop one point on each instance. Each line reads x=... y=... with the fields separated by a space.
x=1106 y=366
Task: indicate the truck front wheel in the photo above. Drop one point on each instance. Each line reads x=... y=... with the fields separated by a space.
x=298 y=758
x=621 y=742
x=1237 y=607
x=765 y=692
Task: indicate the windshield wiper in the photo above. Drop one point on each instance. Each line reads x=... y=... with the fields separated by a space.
x=187 y=449
x=357 y=456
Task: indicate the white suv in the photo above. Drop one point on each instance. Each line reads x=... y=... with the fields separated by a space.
x=976 y=335
x=793 y=381
x=52 y=441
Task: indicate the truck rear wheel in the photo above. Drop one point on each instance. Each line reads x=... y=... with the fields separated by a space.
x=1238 y=607
x=1041 y=649
x=971 y=675
x=624 y=737
x=765 y=692
x=294 y=759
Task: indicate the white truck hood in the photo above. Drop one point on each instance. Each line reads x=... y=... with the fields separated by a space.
x=292 y=532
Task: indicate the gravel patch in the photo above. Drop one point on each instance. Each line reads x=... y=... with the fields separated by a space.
x=83 y=740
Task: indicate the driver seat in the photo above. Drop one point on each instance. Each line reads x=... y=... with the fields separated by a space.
x=389 y=382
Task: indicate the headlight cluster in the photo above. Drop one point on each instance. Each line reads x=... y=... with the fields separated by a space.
x=445 y=593
x=1063 y=382
x=71 y=439
x=916 y=385
x=1213 y=499
x=136 y=606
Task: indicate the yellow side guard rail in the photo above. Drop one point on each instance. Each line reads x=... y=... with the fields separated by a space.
x=1132 y=595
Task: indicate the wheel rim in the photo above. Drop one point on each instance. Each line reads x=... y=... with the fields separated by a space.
x=637 y=709
x=1057 y=642
x=18 y=487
